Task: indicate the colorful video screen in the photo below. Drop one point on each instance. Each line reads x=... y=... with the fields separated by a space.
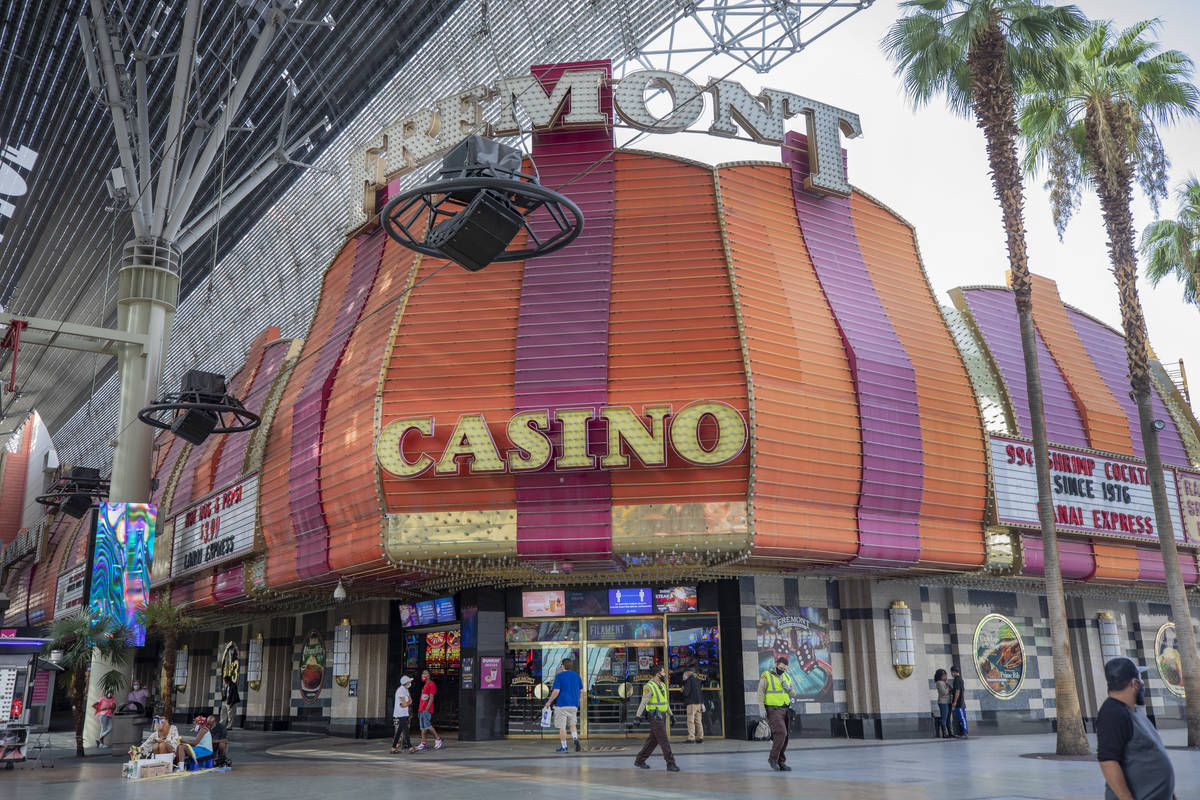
x=639 y=600
x=443 y=608
x=675 y=599
x=408 y=614
x=543 y=604
x=426 y=612
x=121 y=562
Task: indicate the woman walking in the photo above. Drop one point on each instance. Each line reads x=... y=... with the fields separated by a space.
x=943 y=701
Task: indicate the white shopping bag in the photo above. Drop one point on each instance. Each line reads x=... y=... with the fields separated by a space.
x=547 y=718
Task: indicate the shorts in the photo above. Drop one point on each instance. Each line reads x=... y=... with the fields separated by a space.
x=425 y=718
x=201 y=753
x=565 y=716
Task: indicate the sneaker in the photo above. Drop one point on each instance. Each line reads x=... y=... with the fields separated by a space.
x=562 y=749
x=420 y=747
x=577 y=746
x=784 y=768
x=437 y=744
x=774 y=764
x=672 y=768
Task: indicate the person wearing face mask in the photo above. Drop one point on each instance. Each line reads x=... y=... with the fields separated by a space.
x=775 y=693
x=139 y=695
x=657 y=709
x=1132 y=758
x=105 y=707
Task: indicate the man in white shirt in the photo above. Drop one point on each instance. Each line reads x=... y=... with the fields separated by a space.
x=400 y=715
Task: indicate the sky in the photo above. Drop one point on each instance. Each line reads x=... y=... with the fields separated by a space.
x=931 y=168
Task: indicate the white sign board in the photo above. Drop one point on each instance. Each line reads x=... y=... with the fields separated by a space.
x=216 y=529
x=1093 y=493
x=8 y=686
x=1188 y=484
x=69 y=595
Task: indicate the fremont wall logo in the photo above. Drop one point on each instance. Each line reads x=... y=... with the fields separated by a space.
x=705 y=433
x=579 y=98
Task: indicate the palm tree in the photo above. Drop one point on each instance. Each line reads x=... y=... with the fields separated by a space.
x=166 y=621
x=79 y=636
x=974 y=53
x=1172 y=246
x=1096 y=124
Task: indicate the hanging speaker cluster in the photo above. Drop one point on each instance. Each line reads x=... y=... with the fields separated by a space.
x=475 y=209
x=202 y=407
x=75 y=490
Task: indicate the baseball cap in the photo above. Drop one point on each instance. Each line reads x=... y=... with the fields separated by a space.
x=405 y=681
x=1120 y=671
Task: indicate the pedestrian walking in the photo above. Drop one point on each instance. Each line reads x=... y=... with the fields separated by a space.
x=958 y=699
x=944 y=694
x=1132 y=758
x=775 y=693
x=229 y=701
x=105 y=707
x=400 y=718
x=657 y=709
x=565 y=690
x=693 y=703
x=425 y=711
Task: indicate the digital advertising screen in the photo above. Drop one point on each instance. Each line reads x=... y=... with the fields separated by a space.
x=121 y=562
x=631 y=601
x=543 y=604
x=426 y=612
x=444 y=609
x=587 y=602
x=675 y=599
x=408 y=614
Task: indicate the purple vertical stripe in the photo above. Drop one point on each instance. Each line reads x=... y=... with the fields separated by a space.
x=1074 y=557
x=893 y=460
x=308 y=413
x=561 y=358
x=174 y=448
x=1151 y=569
x=995 y=314
x=233 y=454
x=1106 y=348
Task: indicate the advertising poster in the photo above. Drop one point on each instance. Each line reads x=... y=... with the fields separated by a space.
x=631 y=601
x=1188 y=484
x=231 y=664
x=443 y=609
x=312 y=668
x=802 y=634
x=426 y=612
x=408 y=614
x=490 y=673
x=1166 y=657
x=121 y=562
x=999 y=656
x=542 y=604
x=587 y=602
x=468 y=673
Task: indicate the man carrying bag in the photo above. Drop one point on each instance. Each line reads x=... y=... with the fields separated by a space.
x=775 y=692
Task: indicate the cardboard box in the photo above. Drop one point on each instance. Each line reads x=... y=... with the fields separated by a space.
x=154 y=769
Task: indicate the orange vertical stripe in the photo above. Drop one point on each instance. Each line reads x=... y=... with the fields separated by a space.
x=1115 y=563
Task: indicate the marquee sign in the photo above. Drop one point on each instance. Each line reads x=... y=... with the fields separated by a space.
x=704 y=433
x=579 y=95
x=69 y=593
x=1188 y=485
x=1093 y=493
x=216 y=529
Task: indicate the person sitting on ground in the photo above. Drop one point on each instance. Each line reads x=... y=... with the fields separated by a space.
x=201 y=747
x=220 y=738
x=163 y=739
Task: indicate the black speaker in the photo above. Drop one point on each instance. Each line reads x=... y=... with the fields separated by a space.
x=478 y=233
x=84 y=476
x=76 y=505
x=194 y=426
x=206 y=384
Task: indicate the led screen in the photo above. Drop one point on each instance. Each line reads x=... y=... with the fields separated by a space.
x=444 y=609
x=675 y=599
x=426 y=613
x=408 y=614
x=121 y=562
x=638 y=600
x=542 y=604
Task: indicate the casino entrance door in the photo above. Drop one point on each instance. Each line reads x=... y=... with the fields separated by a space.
x=615 y=657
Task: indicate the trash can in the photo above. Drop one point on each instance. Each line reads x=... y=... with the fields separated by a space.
x=127 y=730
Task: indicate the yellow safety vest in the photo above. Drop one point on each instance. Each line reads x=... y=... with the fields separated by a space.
x=658 y=697
x=778 y=686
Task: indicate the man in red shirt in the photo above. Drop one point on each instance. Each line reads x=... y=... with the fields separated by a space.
x=425 y=712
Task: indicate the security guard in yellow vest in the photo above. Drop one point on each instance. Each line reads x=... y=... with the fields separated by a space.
x=775 y=693
x=657 y=709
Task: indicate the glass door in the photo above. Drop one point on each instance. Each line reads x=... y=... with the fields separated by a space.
x=617 y=673
x=536 y=650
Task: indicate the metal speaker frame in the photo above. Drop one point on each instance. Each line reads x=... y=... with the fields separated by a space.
x=65 y=487
x=232 y=416
x=409 y=217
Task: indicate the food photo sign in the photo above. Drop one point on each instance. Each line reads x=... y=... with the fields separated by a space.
x=312 y=668
x=999 y=656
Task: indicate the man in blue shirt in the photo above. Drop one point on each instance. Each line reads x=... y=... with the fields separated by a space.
x=565 y=689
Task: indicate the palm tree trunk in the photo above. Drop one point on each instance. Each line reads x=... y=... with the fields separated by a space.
x=78 y=711
x=995 y=108
x=167 y=679
x=1115 y=194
